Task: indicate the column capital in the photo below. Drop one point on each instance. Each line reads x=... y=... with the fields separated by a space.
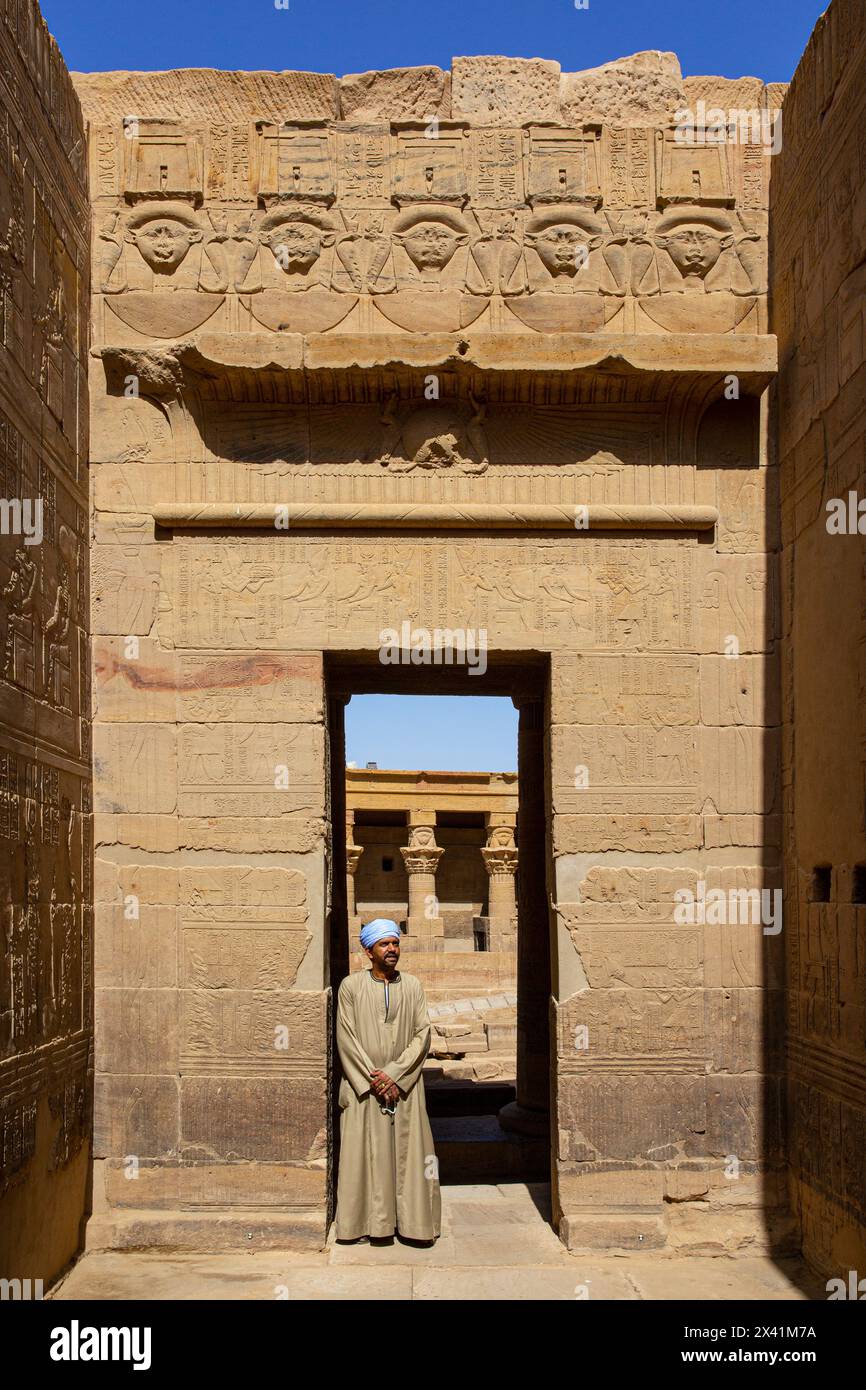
x=353 y=857
x=500 y=860
x=421 y=859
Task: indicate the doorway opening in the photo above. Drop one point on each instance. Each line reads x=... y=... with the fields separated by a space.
x=459 y=856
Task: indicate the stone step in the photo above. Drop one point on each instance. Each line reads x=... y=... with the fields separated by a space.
x=459 y=1047
x=475 y=1148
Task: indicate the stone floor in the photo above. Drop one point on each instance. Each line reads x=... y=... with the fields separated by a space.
x=496 y=1243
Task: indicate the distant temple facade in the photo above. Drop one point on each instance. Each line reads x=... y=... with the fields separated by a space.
x=437 y=851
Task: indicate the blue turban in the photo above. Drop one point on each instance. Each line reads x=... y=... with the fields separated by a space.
x=377 y=931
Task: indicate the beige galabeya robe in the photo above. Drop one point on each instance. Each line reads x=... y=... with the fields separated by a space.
x=388 y=1171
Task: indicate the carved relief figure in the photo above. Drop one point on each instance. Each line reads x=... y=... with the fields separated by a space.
x=151 y=248
x=496 y=253
x=287 y=270
x=362 y=255
x=433 y=436
x=57 y=659
x=426 y=245
x=694 y=273
x=569 y=254
x=12 y=253
x=423 y=285
x=288 y=252
x=20 y=648
x=164 y=267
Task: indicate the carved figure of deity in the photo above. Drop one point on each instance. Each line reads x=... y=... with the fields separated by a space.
x=162 y=247
x=429 y=250
x=572 y=275
x=289 y=252
x=433 y=437
x=694 y=272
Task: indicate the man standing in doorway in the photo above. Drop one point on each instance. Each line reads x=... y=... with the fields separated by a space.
x=388 y=1168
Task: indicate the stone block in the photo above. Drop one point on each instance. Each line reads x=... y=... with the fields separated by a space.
x=396 y=94
x=265 y=1119
x=642 y=89
x=497 y=91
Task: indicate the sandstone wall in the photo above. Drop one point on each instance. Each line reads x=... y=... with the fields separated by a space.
x=369 y=367
x=46 y=882
x=818 y=213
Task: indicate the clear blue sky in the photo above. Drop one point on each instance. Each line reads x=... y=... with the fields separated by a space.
x=438 y=733
x=761 y=38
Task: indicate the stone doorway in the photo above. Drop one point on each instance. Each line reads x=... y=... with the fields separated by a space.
x=483 y=1132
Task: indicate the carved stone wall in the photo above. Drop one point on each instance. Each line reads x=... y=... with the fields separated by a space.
x=512 y=197
x=479 y=350
x=819 y=293
x=46 y=872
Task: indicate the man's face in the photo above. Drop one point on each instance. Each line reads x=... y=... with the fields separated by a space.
x=431 y=245
x=385 y=953
x=694 y=250
x=163 y=243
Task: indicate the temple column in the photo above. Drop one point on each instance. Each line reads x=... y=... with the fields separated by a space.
x=421 y=856
x=353 y=859
x=500 y=861
x=530 y=1113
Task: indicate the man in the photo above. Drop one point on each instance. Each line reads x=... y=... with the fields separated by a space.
x=388 y=1169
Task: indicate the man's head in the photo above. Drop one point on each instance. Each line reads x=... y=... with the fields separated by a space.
x=381 y=941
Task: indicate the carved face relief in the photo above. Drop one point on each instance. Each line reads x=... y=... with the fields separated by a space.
x=164 y=243
x=296 y=246
x=563 y=249
x=694 y=249
x=430 y=245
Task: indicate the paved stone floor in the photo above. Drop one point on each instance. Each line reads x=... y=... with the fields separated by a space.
x=496 y=1243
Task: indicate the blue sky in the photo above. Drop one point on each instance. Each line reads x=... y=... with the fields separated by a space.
x=437 y=733
x=730 y=37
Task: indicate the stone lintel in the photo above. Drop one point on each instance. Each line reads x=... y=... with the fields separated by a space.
x=208 y=361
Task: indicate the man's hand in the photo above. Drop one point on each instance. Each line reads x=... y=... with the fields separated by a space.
x=383 y=1087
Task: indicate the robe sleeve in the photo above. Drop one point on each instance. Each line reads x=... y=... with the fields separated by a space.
x=406 y=1068
x=356 y=1064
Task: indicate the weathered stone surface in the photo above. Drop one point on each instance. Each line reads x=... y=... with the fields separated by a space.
x=204 y=93
x=504 y=91
x=725 y=94
x=46 y=866
x=643 y=89
x=471 y=377
x=252 y=1117
x=819 y=297
x=397 y=94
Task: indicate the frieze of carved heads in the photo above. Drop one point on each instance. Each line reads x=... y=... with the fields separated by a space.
x=423 y=229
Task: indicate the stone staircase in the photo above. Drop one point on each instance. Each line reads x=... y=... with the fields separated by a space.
x=468 y=1077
